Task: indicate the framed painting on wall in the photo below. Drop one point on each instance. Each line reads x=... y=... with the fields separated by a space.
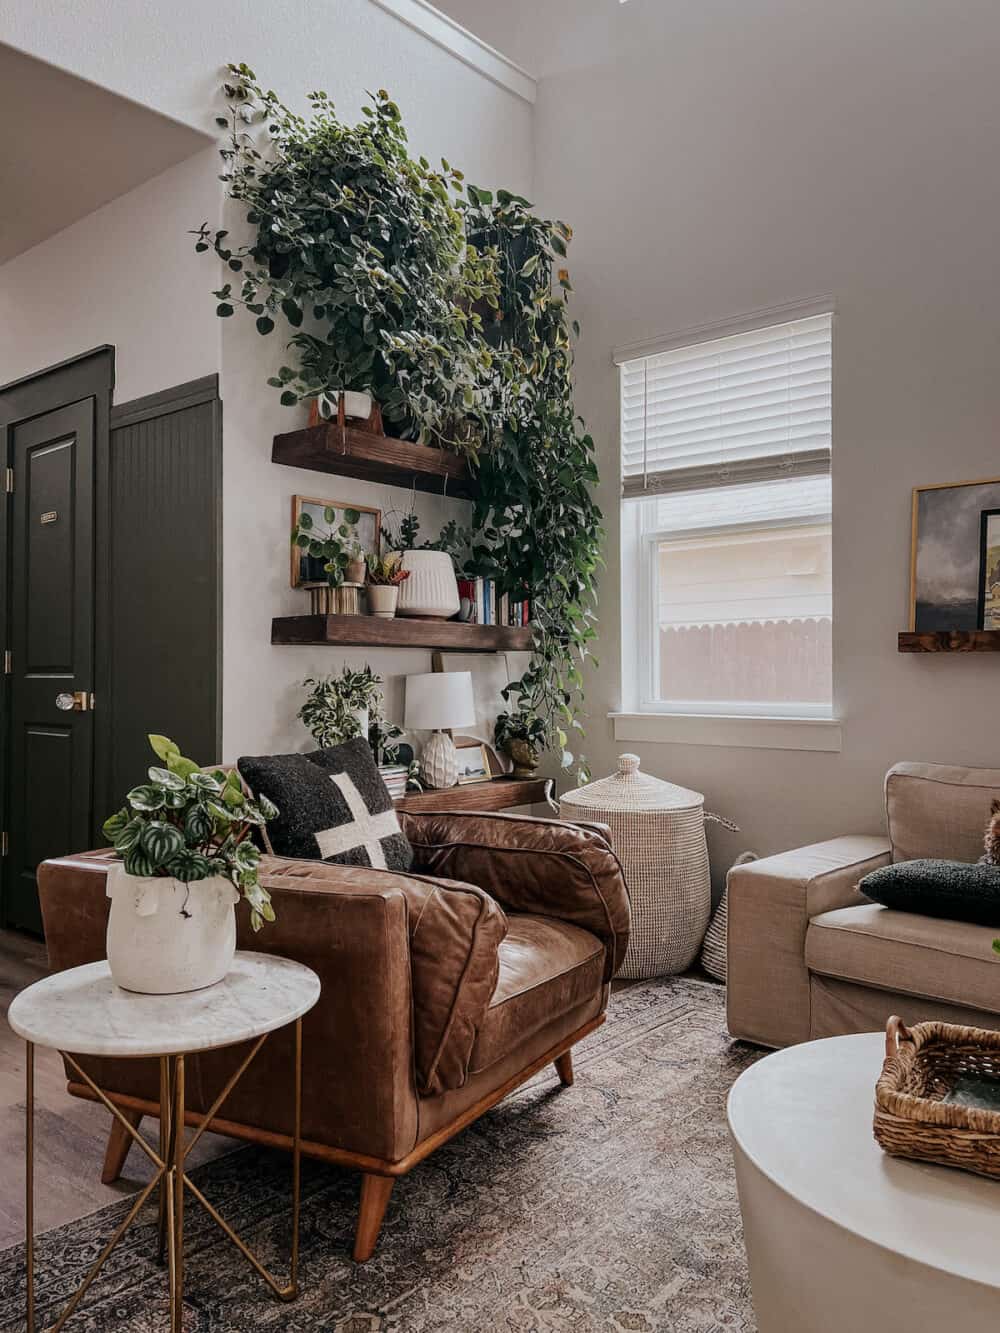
x=989 y=570
x=952 y=532
x=305 y=568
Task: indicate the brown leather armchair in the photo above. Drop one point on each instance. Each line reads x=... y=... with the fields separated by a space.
x=443 y=989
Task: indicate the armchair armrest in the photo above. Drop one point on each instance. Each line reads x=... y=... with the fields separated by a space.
x=539 y=866
x=770 y=904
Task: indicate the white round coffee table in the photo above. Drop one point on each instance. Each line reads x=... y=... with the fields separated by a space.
x=840 y=1237
x=81 y=1012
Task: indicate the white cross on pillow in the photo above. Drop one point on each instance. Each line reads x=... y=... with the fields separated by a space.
x=366 y=831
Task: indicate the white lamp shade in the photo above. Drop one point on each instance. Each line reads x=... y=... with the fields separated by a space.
x=438 y=700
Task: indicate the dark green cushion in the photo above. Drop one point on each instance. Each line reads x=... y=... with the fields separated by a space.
x=952 y=889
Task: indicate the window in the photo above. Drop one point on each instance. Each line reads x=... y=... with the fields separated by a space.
x=727 y=600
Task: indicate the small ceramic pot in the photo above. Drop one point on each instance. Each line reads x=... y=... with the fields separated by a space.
x=382 y=599
x=166 y=937
x=356 y=405
x=431 y=591
x=525 y=758
x=355 y=571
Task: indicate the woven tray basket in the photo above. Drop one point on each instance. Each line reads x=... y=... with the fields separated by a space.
x=921 y=1067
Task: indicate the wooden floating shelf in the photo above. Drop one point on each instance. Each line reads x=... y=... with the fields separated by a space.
x=399 y=632
x=499 y=794
x=346 y=452
x=951 y=641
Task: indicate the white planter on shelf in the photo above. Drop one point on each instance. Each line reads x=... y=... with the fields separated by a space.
x=431 y=591
x=362 y=718
x=382 y=599
x=166 y=937
x=358 y=405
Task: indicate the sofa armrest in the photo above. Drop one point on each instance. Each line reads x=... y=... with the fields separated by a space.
x=539 y=866
x=770 y=904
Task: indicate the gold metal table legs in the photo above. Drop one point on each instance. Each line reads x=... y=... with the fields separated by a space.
x=171 y=1177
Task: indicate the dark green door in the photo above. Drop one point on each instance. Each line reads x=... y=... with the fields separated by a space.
x=51 y=638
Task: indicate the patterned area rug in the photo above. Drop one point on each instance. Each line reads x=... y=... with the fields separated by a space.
x=610 y=1206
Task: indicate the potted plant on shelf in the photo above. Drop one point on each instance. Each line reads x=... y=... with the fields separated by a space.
x=187 y=857
x=339 y=548
x=521 y=736
x=385 y=578
x=431 y=592
x=338 y=707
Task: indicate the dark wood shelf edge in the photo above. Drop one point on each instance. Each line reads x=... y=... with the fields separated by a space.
x=499 y=794
x=346 y=452
x=399 y=632
x=950 y=641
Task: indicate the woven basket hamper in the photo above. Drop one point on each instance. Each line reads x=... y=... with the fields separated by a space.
x=658 y=832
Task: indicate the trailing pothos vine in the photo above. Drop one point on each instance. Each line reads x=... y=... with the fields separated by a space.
x=452 y=312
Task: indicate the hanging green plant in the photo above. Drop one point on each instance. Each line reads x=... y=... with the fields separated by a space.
x=359 y=250
x=540 y=528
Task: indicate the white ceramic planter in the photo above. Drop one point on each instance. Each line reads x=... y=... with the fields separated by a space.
x=165 y=937
x=431 y=591
x=361 y=714
x=355 y=405
x=382 y=599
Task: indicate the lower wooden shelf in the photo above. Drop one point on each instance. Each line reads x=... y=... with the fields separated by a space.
x=499 y=794
x=950 y=641
x=399 y=632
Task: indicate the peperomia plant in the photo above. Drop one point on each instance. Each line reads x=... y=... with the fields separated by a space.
x=189 y=823
x=333 y=703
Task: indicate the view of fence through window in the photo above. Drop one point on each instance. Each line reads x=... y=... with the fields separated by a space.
x=746 y=616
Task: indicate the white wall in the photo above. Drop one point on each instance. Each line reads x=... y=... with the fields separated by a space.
x=171 y=57
x=717 y=158
x=126 y=274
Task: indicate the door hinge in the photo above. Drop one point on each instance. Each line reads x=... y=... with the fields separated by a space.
x=8 y=481
x=4 y=844
x=93 y=702
x=8 y=662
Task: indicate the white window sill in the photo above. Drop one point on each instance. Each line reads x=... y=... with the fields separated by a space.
x=760 y=733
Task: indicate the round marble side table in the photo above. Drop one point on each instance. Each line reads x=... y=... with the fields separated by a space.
x=839 y=1235
x=81 y=1012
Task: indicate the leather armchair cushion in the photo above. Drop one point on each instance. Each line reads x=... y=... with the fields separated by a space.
x=547 y=968
x=541 y=867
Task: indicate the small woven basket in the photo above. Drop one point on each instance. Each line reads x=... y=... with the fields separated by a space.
x=922 y=1066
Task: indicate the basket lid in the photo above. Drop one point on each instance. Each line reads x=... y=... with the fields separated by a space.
x=628 y=789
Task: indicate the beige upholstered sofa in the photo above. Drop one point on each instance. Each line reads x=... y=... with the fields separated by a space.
x=810 y=957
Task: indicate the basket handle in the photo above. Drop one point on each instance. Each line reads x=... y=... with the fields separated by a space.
x=896 y=1031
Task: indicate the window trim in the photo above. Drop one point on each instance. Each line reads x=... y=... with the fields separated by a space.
x=762 y=732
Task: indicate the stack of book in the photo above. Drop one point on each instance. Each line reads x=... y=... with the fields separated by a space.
x=492 y=608
x=394 y=777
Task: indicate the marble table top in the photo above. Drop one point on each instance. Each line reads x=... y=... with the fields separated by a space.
x=84 y=1012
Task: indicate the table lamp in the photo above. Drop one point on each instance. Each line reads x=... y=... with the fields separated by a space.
x=434 y=701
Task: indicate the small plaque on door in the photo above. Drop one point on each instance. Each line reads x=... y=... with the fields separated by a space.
x=49 y=516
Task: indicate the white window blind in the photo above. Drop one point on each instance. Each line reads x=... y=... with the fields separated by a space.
x=753 y=406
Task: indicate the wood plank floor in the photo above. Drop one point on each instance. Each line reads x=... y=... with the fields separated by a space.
x=70 y=1134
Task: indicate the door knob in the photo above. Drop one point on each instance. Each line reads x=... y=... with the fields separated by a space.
x=72 y=703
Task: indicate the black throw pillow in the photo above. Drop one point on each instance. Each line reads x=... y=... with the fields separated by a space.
x=952 y=889
x=333 y=806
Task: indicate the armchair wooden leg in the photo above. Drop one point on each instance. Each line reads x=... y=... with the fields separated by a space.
x=564 y=1068
x=119 y=1142
x=375 y=1191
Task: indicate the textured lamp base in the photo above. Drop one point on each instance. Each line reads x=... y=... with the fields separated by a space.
x=439 y=761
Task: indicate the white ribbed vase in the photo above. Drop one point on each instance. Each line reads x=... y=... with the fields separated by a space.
x=431 y=590
x=439 y=761
x=658 y=832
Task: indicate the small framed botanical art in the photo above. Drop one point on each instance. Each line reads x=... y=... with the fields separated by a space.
x=473 y=764
x=305 y=568
x=955 y=557
x=989 y=569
